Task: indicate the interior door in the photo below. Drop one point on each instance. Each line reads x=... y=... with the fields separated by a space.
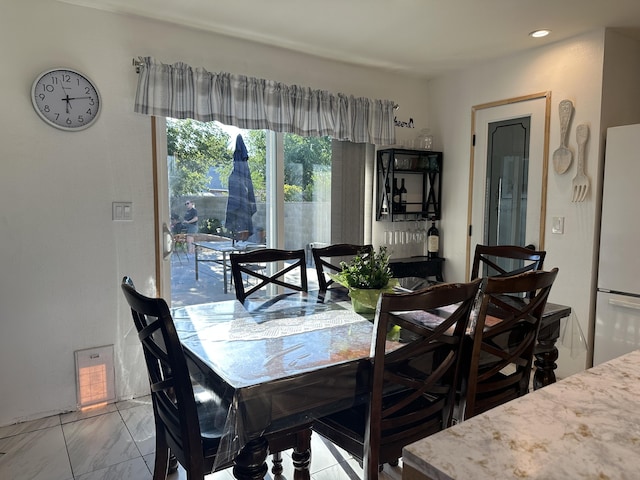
x=528 y=228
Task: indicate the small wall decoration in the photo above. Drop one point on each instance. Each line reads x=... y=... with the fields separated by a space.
x=581 y=181
x=563 y=156
x=408 y=124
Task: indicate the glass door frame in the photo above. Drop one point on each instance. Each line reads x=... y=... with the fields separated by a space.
x=517 y=102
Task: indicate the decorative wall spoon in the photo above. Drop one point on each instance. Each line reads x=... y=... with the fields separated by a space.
x=563 y=157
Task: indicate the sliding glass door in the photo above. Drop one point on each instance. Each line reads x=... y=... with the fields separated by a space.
x=290 y=179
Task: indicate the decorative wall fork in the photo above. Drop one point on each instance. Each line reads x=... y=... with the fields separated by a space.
x=581 y=181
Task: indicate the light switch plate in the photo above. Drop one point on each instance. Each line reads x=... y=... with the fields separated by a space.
x=122 y=211
x=557 y=225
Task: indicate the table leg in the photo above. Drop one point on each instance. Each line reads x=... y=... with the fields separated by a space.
x=224 y=270
x=546 y=352
x=301 y=455
x=546 y=355
x=251 y=463
x=196 y=252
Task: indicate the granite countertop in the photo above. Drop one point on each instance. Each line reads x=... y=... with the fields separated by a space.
x=586 y=426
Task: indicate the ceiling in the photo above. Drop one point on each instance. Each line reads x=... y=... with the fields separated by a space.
x=417 y=37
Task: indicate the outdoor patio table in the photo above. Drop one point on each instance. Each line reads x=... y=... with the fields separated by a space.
x=224 y=248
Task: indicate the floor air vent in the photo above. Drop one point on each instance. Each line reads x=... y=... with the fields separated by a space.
x=95 y=377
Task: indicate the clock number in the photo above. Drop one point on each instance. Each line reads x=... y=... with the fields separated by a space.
x=41 y=96
x=80 y=119
x=91 y=102
x=66 y=78
x=88 y=112
x=46 y=108
x=69 y=122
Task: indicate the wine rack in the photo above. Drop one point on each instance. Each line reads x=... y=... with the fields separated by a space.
x=421 y=171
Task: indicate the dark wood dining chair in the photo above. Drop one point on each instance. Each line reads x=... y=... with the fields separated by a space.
x=189 y=418
x=413 y=386
x=190 y=429
x=327 y=259
x=503 y=340
x=292 y=275
x=505 y=260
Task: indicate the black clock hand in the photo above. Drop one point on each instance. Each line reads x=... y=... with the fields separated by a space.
x=77 y=98
x=67 y=105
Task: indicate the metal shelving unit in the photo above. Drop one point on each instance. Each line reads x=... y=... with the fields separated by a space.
x=422 y=172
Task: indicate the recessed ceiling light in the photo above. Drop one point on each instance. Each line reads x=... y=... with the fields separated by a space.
x=539 y=33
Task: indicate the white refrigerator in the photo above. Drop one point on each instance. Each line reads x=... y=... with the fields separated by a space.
x=617 y=328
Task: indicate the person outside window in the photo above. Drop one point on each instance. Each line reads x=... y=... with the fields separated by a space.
x=190 y=223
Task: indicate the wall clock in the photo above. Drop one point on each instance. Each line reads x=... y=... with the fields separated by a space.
x=66 y=99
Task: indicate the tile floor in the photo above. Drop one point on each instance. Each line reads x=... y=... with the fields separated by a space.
x=116 y=442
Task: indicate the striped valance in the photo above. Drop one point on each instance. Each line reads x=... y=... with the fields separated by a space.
x=180 y=91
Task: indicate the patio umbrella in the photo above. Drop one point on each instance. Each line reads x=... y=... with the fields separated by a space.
x=241 y=204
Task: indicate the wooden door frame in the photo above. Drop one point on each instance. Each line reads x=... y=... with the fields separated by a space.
x=545 y=164
x=160 y=206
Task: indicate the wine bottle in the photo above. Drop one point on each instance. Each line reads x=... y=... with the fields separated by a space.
x=385 y=198
x=403 y=197
x=396 y=197
x=433 y=240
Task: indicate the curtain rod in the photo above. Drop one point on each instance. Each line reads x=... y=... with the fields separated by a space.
x=138 y=64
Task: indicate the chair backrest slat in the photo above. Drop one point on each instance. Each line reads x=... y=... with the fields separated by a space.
x=413 y=386
x=327 y=259
x=246 y=263
x=493 y=258
x=503 y=339
x=171 y=390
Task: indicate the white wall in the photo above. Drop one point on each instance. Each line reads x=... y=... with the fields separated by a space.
x=63 y=258
x=570 y=69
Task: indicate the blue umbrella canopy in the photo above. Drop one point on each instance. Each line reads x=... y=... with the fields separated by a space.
x=241 y=204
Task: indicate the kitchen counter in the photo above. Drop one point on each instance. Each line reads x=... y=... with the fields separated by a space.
x=585 y=426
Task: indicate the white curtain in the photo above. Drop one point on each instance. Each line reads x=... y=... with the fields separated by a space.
x=180 y=91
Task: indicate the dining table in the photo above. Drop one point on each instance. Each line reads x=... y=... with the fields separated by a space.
x=281 y=362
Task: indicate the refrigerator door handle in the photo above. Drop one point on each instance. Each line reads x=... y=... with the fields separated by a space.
x=624 y=303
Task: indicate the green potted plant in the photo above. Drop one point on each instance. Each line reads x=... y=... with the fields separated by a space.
x=366 y=276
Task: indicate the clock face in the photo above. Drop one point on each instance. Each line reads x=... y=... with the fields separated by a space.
x=66 y=99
